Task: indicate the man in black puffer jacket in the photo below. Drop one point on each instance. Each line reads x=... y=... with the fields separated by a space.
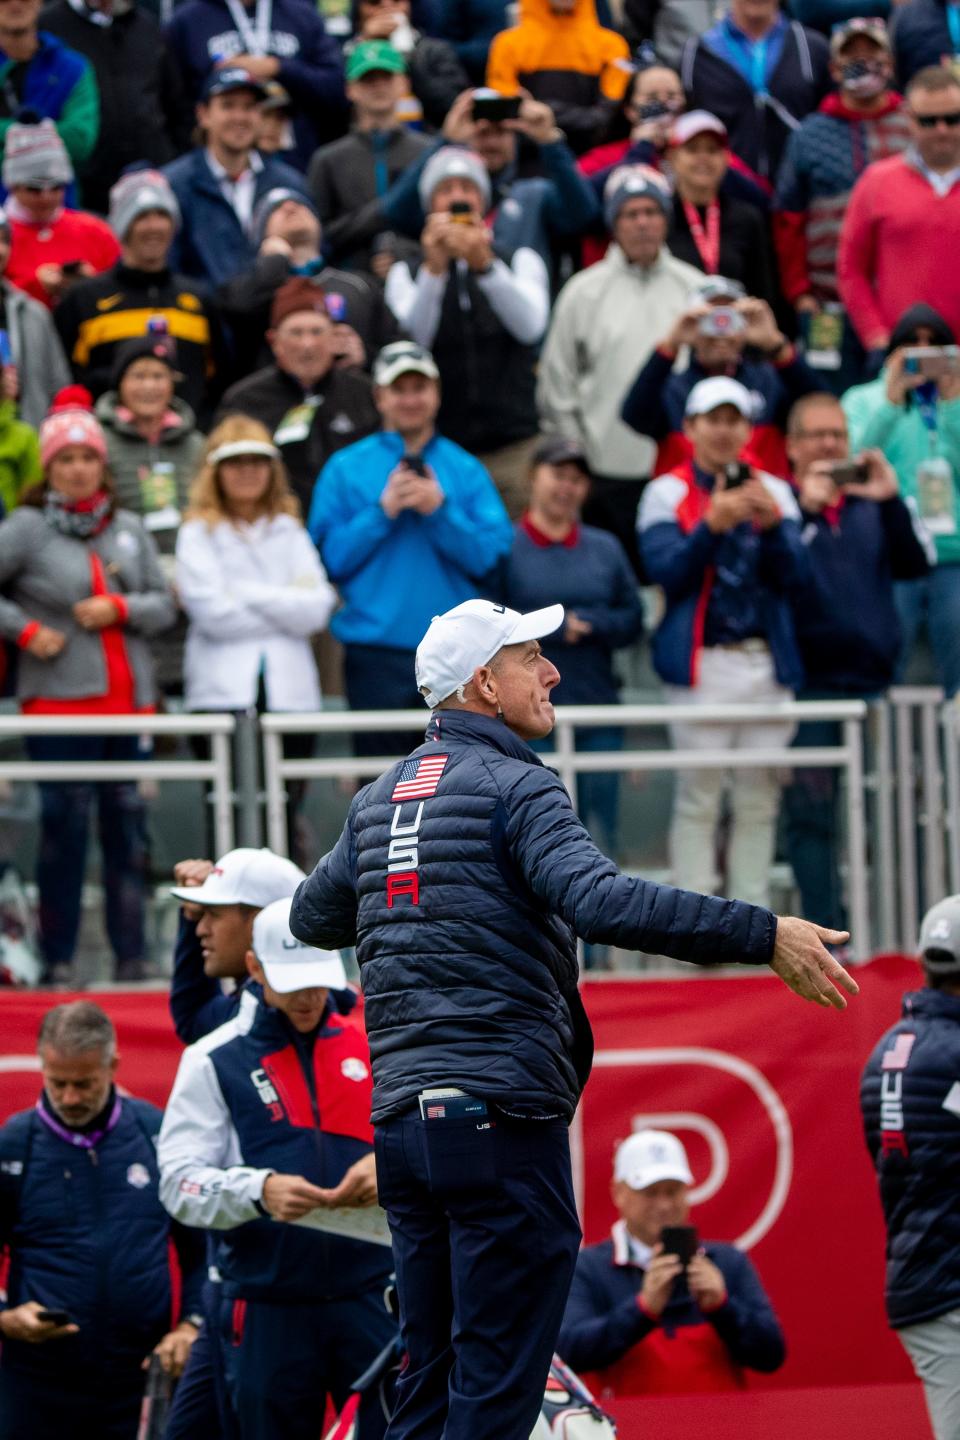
x=910 y=1099
x=463 y=876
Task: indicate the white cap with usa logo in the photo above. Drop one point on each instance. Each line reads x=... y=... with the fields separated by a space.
x=289 y=964
x=245 y=877
x=468 y=636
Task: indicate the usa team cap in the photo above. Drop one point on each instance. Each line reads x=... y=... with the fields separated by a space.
x=289 y=964
x=245 y=877
x=649 y=1156
x=468 y=636
x=940 y=937
x=719 y=390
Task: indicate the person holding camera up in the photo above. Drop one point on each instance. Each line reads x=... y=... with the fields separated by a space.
x=652 y=1311
x=725 y=332
x=912 y=413
x=723 y=540
x=861 y=538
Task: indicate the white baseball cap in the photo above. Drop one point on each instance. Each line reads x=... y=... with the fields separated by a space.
x=649 y=1156
x=289 y=964
x=940 y=937
x=245 y=877
x=719 y=390
x=466 y=637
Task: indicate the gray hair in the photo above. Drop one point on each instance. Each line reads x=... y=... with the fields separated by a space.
x=76 y=1029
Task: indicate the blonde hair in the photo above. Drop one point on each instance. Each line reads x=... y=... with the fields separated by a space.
x=207 y=500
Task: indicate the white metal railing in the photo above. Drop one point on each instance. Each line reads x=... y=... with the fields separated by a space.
x=846 y=757
x=217 y=771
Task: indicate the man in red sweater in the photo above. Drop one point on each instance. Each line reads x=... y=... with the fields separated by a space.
x=898 y=242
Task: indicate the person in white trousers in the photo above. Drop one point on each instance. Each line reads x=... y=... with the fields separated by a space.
x=723 y=540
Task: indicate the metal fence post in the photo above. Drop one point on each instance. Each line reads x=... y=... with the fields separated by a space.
x=952 y=758
x=856 y=839
x=222 y=793
x=906 y=824
x=276 y=789
x=247 y=780
x=566 y=749
x=885 y=847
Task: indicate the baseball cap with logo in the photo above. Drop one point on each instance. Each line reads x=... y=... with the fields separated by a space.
x=940 y=937
x=716 y=288
x=245 y=877
x=719 y=390
x=468 y=636
x=231 y=77
x=649 y=1156
x=869 y=26
x=371 y=56
x=289 y=964
x=403 y=357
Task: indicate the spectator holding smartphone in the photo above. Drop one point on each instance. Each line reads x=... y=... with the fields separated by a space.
x=723 y=540
x=652 y=1311
x=723 y=332
x=912 y=413
x=862 y=539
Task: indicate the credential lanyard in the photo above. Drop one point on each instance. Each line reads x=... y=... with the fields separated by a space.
x=707 y=241
x=925 y=399
x=953 y=22
x=256 y=37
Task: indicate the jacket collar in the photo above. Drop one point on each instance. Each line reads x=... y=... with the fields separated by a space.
x=140 y=279
x=931 y=1003
x=271 y=1024
x=479 y=730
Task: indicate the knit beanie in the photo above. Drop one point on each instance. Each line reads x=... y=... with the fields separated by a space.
x=137 y=192
x=143 y=347
x=272 y=201
x=295 y=295
x=633 y=182
x=448 y=161
x=71 y=421
x=35 y=155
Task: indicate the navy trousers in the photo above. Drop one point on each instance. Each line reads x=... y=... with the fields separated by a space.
x=485 y=1239
x=200 y=1409
x=282 y=1361
x=104 y=1407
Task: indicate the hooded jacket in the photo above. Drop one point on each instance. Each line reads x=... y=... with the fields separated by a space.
x=901 y=432
x=468 y=955
x=824 y=159
x=37 y=353
x=579 y=68
x=311 y=69
x=910 y=1103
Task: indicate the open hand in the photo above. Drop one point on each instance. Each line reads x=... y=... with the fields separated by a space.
x=290 y=1197
x=358 y=1186
x=806 y=966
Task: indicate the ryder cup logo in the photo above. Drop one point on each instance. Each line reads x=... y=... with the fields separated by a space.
x=138 y=1176
x=353 y=1068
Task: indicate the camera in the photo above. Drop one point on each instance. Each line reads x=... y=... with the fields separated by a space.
x=722 y=322
x=461 y=212
x=491 y=105
x=850 y=472
x=932 y=361
x=735 y=474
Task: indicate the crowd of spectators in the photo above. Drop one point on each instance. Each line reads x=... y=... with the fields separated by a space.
x=309 y=332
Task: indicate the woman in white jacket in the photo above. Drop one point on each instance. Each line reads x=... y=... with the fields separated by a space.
x=251 y=582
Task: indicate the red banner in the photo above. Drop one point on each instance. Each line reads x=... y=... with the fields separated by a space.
x=762 y=1089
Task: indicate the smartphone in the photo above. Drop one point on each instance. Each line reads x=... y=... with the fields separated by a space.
x=931 y=361
x=653 y=110
x=850 y=472
x=680 y=1240
x=735 y=474
x=6 y=353
x=71 y=267
x=491 y=105
x=722 y=320
x=461 y=211
x=416 y=463
x=54 y=1317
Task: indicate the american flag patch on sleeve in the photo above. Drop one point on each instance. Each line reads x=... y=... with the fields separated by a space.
x=418 y=779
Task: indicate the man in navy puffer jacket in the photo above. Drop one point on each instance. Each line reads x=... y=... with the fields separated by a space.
x=910 y=1100
x=463 y=876
x=81 y=1216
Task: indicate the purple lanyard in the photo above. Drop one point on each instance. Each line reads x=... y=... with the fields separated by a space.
x=74 y=1137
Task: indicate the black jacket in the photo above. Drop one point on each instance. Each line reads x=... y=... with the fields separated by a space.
x=910 y=1101
x=465 y=923
x=436 y=77
x=745 y=251
x=343 y=411
x=145 y=113
x=245 y=301
x=97 y=315
x=758 y=129
x=347 y=181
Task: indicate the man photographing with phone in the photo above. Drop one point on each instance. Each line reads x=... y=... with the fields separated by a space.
x=861 y=540
x=654 y=1311
x=723 y=540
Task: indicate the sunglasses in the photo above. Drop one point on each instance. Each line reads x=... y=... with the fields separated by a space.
x=928 y=122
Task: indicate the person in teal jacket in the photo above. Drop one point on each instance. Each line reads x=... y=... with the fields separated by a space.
x=915 y=421
x=408 y=525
